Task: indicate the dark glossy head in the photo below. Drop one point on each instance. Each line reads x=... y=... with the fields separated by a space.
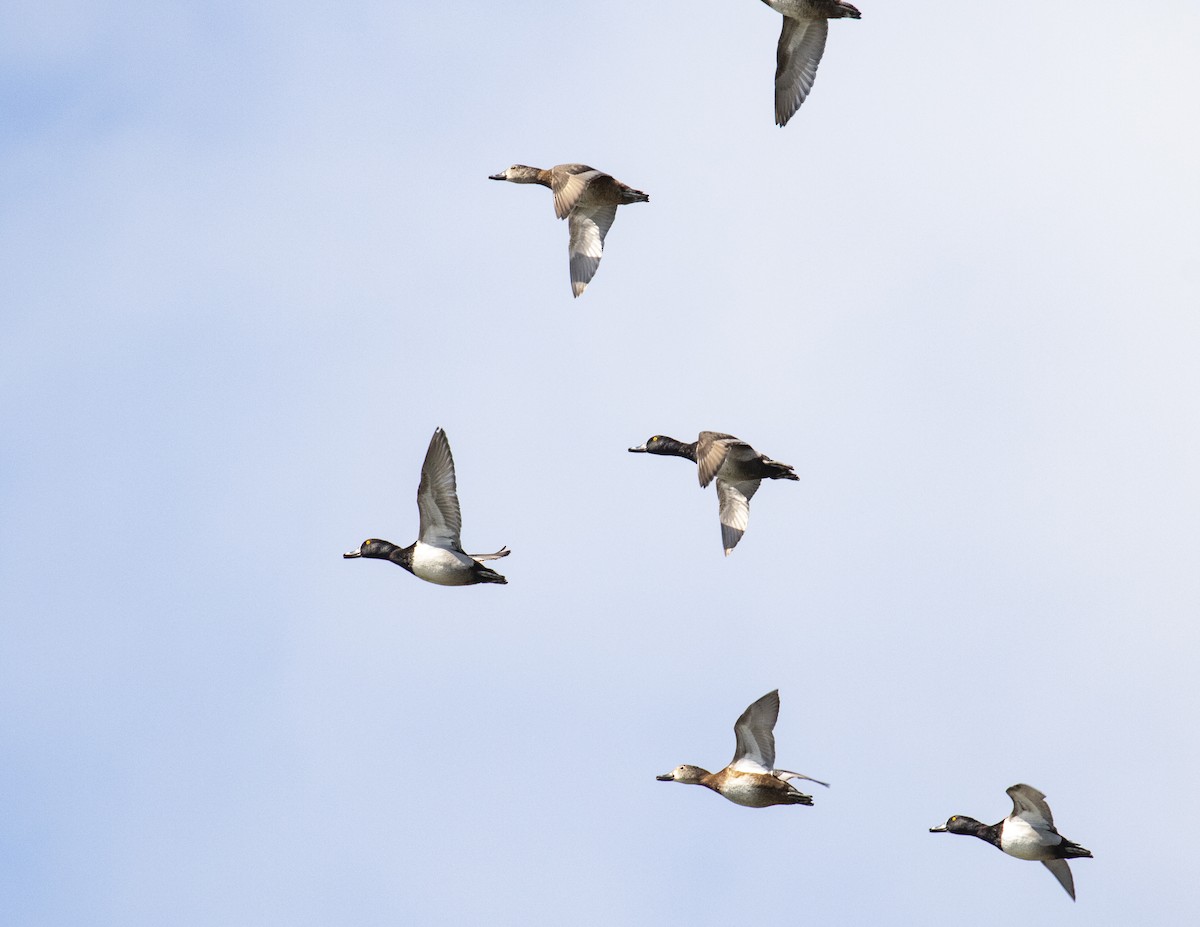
x=958 y=824
x=659 y=444
x=371 y=547
x=383 y=550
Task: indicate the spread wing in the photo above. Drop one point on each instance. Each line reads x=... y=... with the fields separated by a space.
x=437 y=496
x=801 y=45
x=568 y=181
x=502 y=552
x=712 y=448
x=1030 y=804
x=734 y=500
x=1062 y=872
x=754 y=731
x=786 y=774
x=588 y=228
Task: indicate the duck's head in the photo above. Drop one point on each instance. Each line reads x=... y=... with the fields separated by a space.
x=655 y=445
x=685 y=773
x=518 y=173
x=371 y=547
x=957 y=824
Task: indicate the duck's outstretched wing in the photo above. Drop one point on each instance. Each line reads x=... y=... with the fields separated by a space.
x=734 y=500
x=437 y=496
x=1062 y=872
x=568 y=181
x=755 y=734
x=786 y=774
x=588 y=228
x=1030 y=804
x=801 y=45
x=502 y=552
x=712 y=447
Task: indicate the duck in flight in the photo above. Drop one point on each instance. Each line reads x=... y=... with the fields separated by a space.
x=751 y=778
x=1027 y=833
x=801 y=44
x=437 y=555
x=588 y=200
x=737 y=467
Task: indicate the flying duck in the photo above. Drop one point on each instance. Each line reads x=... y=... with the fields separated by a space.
x=750 y=779
x=737 y=467
x=437 y=555
x=1027 y=833
x=801 y=44
x=588 y=200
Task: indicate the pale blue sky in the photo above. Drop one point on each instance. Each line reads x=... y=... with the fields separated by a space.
x=251 y=259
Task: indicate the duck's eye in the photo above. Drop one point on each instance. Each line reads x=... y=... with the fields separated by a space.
x=656 y=438
x=953 y=818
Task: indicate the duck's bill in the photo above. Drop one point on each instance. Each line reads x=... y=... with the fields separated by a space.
x=665 y=777
x=497 y=177
x=350 y=554
x=939 y=829
x=640 y=449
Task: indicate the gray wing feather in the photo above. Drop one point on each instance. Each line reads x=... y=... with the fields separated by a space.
x=1030 y=804
x=568 y=181
x=1062 y=872
x=502 y=552
x=734 y=500
x=755 y=731
x=437 y=496
x=786 y=774
x=712 y=447
x=801 y=45
x=588 y=228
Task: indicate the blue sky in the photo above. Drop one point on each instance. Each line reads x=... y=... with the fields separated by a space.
x=251 y=260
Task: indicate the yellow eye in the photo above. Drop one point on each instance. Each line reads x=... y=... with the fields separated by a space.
x=656 y=438
x=954 y=817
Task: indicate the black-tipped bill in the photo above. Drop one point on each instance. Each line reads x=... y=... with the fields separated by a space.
x=940 y=829
x=497 y=177
x=665 y=777
x=350 y=554
x=640 y=449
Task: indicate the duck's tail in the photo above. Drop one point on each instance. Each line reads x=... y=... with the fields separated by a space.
x=779 y=471
x=484 y=575
x=845 y=11
x=631 y=195
x=1069 y=850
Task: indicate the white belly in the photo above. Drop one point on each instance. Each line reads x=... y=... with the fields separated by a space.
x=441 y=566
x=1021 y=840
x=744 y=790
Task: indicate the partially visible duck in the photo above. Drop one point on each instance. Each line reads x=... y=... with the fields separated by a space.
x=750 y=779
x=801 y=44
x=588 y=200
x=737 y=467
x=437 y=555
x=1027 y=833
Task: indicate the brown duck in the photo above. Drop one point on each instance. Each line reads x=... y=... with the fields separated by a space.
x=588 y=200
